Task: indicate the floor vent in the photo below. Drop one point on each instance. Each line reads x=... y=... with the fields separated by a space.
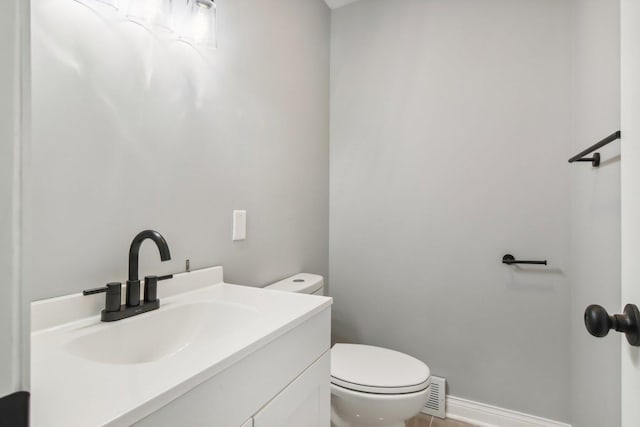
x=436 y=404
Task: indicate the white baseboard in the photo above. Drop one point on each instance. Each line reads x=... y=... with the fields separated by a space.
x=482 y=415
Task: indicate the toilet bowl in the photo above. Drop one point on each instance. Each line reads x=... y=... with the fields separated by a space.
x=370 y=386
x=374 y=386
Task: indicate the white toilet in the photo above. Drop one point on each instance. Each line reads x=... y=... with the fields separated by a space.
x=370 y=386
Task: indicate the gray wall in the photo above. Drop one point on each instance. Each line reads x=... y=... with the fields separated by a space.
x=10 y=309
x=132 y=131
x=449 y=141
x=7 y=218
x=595 y=212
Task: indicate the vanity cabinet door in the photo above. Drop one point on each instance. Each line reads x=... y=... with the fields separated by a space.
x=304 y=403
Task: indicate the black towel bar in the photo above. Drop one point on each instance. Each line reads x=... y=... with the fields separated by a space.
x=595 y=160
x=510 y=260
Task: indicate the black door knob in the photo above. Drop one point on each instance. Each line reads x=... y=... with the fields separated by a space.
x=599 y=322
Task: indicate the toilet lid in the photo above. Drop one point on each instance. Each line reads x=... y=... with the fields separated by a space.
x=377 y=370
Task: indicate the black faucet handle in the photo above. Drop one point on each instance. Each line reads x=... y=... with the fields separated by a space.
x=94 y=291
x=100 y=290
x=114 y=295
x=151 y=286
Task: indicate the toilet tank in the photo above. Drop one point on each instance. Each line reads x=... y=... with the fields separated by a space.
x=303 y=283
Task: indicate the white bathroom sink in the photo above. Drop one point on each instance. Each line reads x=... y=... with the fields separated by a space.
x=116 y=373
x=162 y=333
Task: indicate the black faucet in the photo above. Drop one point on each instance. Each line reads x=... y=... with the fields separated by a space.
x=133 y=284
x=113 y=309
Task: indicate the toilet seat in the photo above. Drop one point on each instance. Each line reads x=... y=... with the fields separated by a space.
x=378 y=370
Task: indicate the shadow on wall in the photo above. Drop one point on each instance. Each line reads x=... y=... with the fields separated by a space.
x=612 y=160
x=343 y=329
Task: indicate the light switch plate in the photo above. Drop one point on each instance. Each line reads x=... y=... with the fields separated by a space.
x=239 y=225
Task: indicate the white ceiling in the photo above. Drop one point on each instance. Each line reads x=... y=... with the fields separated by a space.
x=333 y=4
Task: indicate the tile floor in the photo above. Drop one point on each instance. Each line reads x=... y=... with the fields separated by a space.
x=423 y=420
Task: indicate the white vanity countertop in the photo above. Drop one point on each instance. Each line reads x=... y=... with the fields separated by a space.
x=203 y=326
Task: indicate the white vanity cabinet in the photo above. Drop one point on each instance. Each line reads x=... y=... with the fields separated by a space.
x=283 y=384
x=304 y=403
